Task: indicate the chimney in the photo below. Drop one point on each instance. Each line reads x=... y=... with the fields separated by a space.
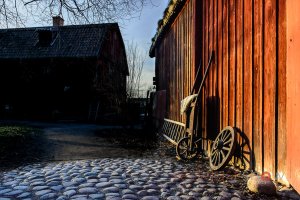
x=58 y=21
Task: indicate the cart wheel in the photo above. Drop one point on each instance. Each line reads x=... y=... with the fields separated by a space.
x=183 y=150
x=222 y=148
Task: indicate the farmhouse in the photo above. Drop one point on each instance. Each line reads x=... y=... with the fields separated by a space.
x=71 y=71
x=252 y=84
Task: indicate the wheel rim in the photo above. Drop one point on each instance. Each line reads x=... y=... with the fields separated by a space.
x=222 y=148
x=183 y=151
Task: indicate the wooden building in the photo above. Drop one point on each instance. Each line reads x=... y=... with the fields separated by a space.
x=72 y=71
x=253 y=84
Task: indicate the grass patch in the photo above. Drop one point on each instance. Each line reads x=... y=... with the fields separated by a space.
x=11 y=131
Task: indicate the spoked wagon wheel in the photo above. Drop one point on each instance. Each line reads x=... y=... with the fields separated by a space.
x=183 y=150
x=223 y=148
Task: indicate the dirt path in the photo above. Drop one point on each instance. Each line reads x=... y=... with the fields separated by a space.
x=75 y=142
x=70 y=141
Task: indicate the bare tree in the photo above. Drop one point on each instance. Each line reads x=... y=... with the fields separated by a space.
x=15 y=13
x=136 y=60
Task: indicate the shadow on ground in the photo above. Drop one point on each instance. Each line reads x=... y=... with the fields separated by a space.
x=70 y=141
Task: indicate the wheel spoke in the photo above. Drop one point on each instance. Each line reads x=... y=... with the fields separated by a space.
x=226 y=148
x=223 y=135
x=214 y=157
x=219 y=158
x=227 y=137
x=223 y=154
x=228 y=141
x=213 y=153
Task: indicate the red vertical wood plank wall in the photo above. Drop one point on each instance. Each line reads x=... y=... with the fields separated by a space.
x=253 y=76
x=253 y=92
x=175 y=60
x=293 y=93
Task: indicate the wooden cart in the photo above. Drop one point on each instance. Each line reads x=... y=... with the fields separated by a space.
x=188 y=140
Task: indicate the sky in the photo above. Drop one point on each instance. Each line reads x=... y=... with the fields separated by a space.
x=141 y=30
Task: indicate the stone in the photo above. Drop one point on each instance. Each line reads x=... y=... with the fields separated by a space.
x=113 y=198
x=112 y=194
x=68 y=184
x=116 y=181
x=129 y=196
x=225 y=194
x=53 y=183
x=173 y=198
x=40 y=188
x=211 y=190
x=57 y=188
x=48 y=196
x=150 y=198
x=79 y=180
x=127 y=191
x=92 y=181
x=21 y=188
x=69 y=193
x=62 y=198
x=87 y=185
x=97 y=196
x=87 y=190
x=24 y=195
x=135 y=187
x=165 y=195
x=42 y=192
x=153 y=192
x=14 y=192
x=111 y=190
x=206 y=198
x=37 y=183
x=142 y=193
x=104 y=184
x=261 y=185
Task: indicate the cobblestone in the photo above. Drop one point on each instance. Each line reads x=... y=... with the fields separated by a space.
x=118 y=178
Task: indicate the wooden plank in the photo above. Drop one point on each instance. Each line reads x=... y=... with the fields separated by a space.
x=258 y=83
x=239 y=67
x=281 y=85
x=220 y=60
x=214 y=64
x=206 y=49
x=248 y=89
x=232 y=63
x=225 y=63
x=293 y=92
x=270 y=68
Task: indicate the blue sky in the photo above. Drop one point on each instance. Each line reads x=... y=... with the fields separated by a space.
x=141 y=30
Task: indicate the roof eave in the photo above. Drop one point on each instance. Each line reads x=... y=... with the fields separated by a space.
x=170 y=14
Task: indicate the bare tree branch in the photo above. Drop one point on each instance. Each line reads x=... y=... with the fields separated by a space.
x=15 y=12
x=136 y=61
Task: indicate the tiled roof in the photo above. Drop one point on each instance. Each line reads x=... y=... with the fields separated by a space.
x=79 y=41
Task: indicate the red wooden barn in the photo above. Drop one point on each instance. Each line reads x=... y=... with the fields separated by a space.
x=253 y=84
x=73 y=71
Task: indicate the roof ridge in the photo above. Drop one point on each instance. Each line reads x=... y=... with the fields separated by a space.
x=63 y=27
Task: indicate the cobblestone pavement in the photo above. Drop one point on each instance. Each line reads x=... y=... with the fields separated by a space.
x=120 y=179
